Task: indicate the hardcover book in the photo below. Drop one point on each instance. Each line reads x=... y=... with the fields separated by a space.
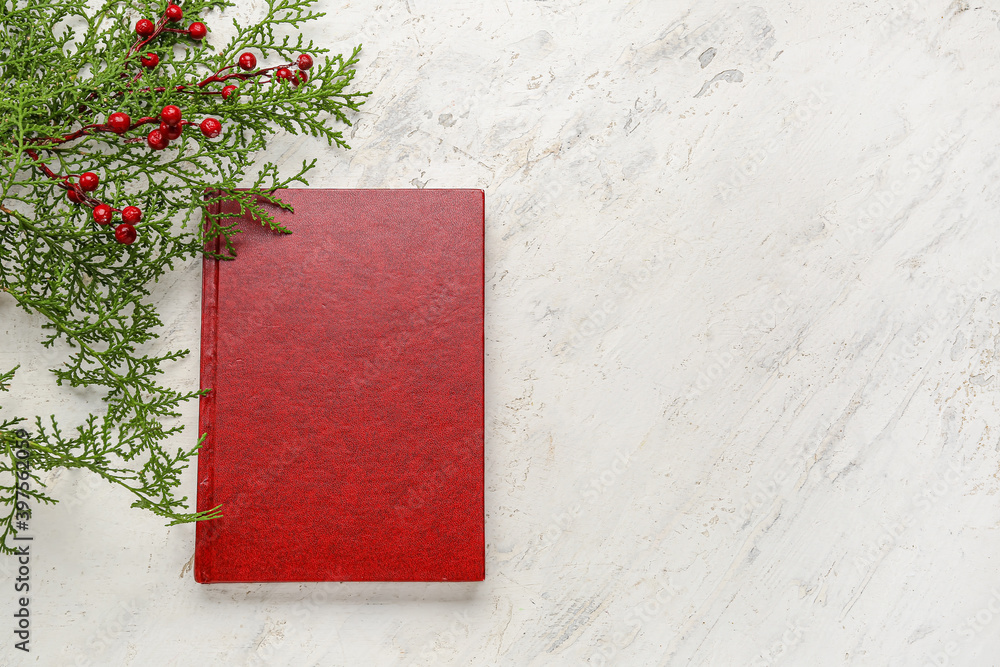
x=345 y=418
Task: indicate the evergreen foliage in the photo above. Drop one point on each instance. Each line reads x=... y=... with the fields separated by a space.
x=65 y=67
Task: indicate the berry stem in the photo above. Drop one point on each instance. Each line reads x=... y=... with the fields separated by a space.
x=143 y=41
x=61 y=181
x=94 y=128
x=215 y=78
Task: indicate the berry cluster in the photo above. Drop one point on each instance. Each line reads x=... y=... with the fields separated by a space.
x=169 y=124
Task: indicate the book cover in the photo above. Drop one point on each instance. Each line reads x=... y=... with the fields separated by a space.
x=345 y=418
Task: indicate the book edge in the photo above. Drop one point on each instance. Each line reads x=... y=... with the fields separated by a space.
x=482 y=451
x=206 y=420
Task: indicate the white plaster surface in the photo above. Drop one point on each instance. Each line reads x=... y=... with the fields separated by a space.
x=743 y=350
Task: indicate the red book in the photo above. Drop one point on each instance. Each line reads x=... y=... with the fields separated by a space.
x=345 y=419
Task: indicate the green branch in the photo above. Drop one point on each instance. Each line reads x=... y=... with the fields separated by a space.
x=63 y=70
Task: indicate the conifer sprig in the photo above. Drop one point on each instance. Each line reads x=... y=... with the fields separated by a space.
x=64 y=70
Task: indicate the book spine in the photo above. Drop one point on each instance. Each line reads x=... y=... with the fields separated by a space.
x=206 y=531
x=481 y=435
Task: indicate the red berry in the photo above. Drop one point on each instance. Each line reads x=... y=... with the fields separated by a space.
x=74 y=196
x=303 y=77
x=145 y=27
x=171 y=114
x=102 y=214
x=171 y=132
x=283 y=73
x=211 y=128
x=248 y=60
x=157 y=140
x=119 y=122
x=150 y=60
x=228 y=91
x=89 y=181
x=197 y=30
x=305 y=61
x=131 y=214
x=125 y=234
x=174 y=13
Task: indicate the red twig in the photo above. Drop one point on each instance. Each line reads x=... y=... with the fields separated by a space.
x=86 y=130
x=242 y=76
x=64 y=182
x=141 y=42
x=215 y=78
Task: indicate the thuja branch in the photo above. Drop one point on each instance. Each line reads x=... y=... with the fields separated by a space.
x=170 y=121
x=101 y=124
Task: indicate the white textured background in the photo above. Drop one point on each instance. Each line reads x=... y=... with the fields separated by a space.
x=742 y=350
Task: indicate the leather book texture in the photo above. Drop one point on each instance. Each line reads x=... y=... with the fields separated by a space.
x=345 y=418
